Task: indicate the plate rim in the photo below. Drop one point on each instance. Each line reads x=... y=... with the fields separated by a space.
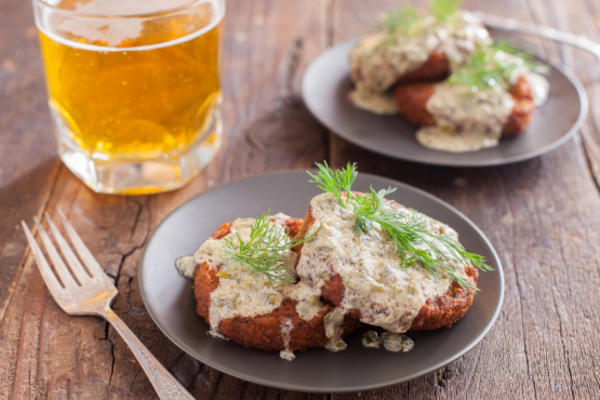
x=332 y=389
x=568 y=135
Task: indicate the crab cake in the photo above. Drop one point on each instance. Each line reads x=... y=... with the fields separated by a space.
x=510 y=111
x=361 y=273
x=430 y=50
x=241 y=305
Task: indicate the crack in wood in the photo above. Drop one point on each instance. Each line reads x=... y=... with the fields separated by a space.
x=444 y=375
x=112 y=352
x=565 y=261
x=562 y=340
x=117 y=276
x=524 y=339
x=330 y=6
x=137 y=372
x=560 y=322
x=291 y=64
x=566 y=59
x=138 y=213
x=514 y=268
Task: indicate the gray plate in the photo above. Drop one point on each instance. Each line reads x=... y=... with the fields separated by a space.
x=169 y=300
x=326 y=84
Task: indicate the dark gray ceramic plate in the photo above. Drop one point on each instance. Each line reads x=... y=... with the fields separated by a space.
x=326 y=84
x=168 y=296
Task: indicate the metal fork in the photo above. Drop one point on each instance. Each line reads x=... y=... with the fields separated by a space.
x=86 y=290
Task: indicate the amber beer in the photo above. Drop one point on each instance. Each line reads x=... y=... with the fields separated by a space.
x=135 y=98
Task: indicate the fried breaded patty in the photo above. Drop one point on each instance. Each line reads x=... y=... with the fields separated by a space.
x=412 y=105
x=282 y=329
x=435 y=68
x=437 y=312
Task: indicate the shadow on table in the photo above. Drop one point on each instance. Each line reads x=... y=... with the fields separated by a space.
x=20 y=199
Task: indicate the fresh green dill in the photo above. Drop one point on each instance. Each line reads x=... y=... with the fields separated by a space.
x=442 y=10
x=413 y=242
x=493 y=66
x=402 y=20
x=337 y=182
x=263 y=251
x=405 y=20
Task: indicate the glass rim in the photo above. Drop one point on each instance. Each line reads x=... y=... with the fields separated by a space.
x=161 y=13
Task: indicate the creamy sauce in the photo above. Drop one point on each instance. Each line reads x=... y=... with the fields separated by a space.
x=386 y=294
x=371 y=340
x=307 y=297
x=540 y=88
x=243 y=292
x=333 y=329
x=186 y=266
x=286 y=329
x=465 y=121
x=439 y=138
x=377 y=103
x=379 y=60
x=396 y=342
x=393 y=342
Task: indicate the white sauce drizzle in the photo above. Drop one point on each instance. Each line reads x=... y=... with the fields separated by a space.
x=377 y=103
x=465 y=121
x=333 y=321
x=393 y=342
x=286 y=329
x=371 y=339
x=307 y=297
x=397 y=343
x=386 y=295
x=540 y=88
x=186 y=266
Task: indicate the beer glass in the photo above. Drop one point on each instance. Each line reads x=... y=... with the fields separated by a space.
x=133 y=89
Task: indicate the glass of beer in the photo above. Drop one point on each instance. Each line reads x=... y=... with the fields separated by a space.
x=133 y=89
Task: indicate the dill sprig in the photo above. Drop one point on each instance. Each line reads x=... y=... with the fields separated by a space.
x=263 y=251
x=492 y=67
x=413 y=242
x=337 y=182
x=405 y=20
x=442 y=10
x=402 y=20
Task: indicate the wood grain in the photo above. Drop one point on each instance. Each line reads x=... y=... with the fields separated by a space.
x=542 y=215
x=28 y=162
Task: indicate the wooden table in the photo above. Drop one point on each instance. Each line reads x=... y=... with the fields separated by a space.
x=542 y=215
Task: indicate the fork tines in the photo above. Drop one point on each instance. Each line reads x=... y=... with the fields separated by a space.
x=63 y=275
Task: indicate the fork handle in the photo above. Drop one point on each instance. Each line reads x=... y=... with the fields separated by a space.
x=165 y=385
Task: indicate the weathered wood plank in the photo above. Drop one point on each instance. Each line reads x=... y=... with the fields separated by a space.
x=585 y=20
x=27 y=151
